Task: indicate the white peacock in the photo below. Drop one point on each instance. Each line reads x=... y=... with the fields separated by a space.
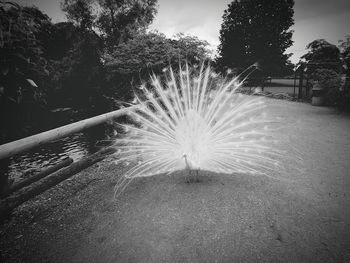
x=196 y=121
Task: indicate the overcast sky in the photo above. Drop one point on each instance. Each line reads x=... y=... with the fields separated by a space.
x=314 y=19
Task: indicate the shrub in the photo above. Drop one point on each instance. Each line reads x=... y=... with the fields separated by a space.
x=344 y=102
x=331 y=82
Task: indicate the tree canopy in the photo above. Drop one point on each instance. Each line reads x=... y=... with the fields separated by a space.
x=345 y=52
x=322 y=55
x=145 y=53
x=155 y=51
x=80 y=11
x=257 y=30
x=115 y=20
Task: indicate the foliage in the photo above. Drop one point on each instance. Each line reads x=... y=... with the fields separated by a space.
x=148 y=50
x=322 y=55
x=257 y=30
x=151 y=52
x=344 y=46
x=80 y=11
x=189 y=48
x=330 y=81
x=76 y=67
x=115 y=20
x=344 y=103
x=24 y=70
x=60 y=40
x=20 y=47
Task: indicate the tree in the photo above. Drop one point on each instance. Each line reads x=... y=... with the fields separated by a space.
x=76 y=67
x=324 y=65
x=81 y=12
x=322 y=55
x=23 y=68
x=330 y=81
x=344 y=46
x=189 y=48
x=133 y=60
x=61 y=39
x=115 y=20
x=256 y=30
x=154 y=51
x=345 y=53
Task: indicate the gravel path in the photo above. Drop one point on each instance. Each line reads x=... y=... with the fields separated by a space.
x=223 y=218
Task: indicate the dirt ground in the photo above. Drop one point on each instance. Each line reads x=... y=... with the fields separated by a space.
x=223 y=218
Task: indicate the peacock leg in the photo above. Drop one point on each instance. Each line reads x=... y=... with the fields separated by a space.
x=189 y=177
x=197 y=176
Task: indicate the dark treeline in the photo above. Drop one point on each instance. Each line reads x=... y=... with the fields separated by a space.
x=80 y=67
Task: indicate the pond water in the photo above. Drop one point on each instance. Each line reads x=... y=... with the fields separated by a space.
x=75 y=146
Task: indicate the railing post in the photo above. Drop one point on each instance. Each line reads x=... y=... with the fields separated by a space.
x=301 y=79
